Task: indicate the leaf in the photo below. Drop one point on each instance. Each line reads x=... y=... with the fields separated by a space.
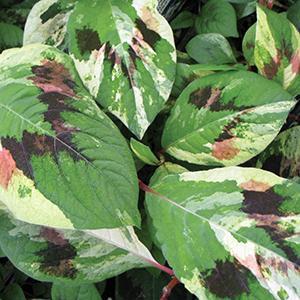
x=225 y=118
x=63 y=163
x=71 y=256
x=249 y=44
x=125 y=57
x=245 y=9
x=13 y=292
x=47 y=22
x=186 y=73
x=185 y=19
x=217 y=16
x=10 y=36
x=283 y=154
x=210 y=48
x=144 y=153
x=277 y=49
x=69 y=292
x=229 y=233
x=293 y=14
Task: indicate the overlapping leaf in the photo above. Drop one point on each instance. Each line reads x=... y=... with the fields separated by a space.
x=283 y=154
x=63 y=163
x=71 y=256
x=225 y=118
x=235 y=231
x=277 y=49
x=125 y=56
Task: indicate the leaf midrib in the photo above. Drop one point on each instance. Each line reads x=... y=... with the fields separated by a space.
x=165 y=198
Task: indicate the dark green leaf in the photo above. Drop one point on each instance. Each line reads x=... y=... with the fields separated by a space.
x=69 y=292
x=210 y=48
x=217 y=16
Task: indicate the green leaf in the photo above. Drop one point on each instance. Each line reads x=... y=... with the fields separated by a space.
x=249 y=44
x=13 y=292
x=225 y=118
x=283 y=154
x=186 y=73
x=69 y=292
x=71 y=256
x=144 y=153
x=229 y=233
x=293 y=14
x=277 y=49
x=210 y=48
x=217 y=16
x=10 y=36
x=47 y=22
x=245 y=9
x=63 y=163
x=125 y=57
x=185 y=19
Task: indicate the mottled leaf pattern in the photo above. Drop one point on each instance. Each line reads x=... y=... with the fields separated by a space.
x=47 y=22
x=71 y=256
x=225 y=118
x=283 y=154
x=125 y=57
x=63 y=163
x=235 y=231
x=277 y=49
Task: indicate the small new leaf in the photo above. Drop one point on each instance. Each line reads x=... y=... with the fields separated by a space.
x=144 y=153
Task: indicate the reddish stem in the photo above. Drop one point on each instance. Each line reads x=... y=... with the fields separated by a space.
x=167 y=290
x=144 y=187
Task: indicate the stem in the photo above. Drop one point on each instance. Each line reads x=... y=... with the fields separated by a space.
x=167 y=290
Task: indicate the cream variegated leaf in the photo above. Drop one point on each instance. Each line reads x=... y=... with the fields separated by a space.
x=125 y=57
x=226 y=118
x=277 y=49
x=63 y=162
x=71 y=256
x=235 y=231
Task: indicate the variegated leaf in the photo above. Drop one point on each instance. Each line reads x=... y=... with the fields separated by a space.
x=226 y=118
x=235 y=231
x=71 y=256
x=144 y=153
x=277 y=49
x=186 y=73
x=125 y=57
x=283 y=154
x=47 y=22
x=63 y=163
